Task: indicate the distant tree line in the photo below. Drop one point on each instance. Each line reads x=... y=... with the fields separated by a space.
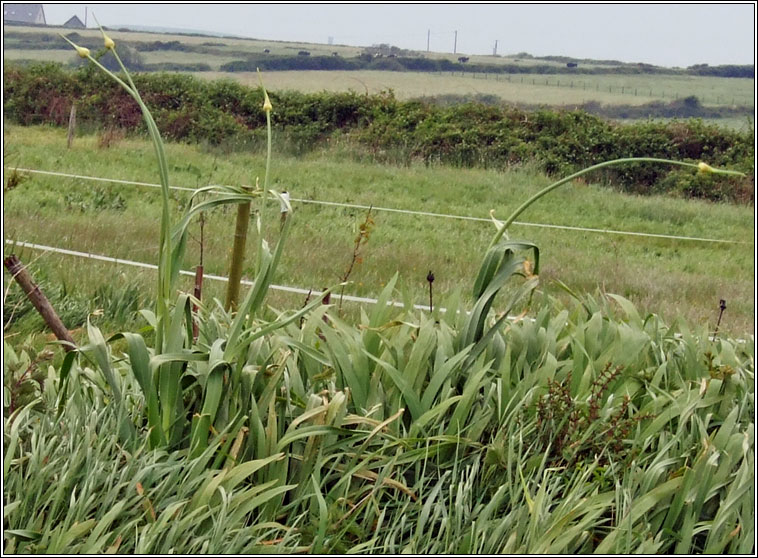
x=688 y=107
x=367 y=61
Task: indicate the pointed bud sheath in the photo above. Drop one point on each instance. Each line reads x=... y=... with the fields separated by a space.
x=703 y=168
x=109 y=44
x=267 y=103
x=81 y=51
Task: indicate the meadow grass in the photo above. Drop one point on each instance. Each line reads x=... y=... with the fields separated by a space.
x=670 y=277
x=553 y=89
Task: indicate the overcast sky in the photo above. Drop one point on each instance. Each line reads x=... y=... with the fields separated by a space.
x=665 y=34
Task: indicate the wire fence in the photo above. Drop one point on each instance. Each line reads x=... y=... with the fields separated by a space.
x=402 y=211
x=652 y=92
x=283 y=288
x=144 y=265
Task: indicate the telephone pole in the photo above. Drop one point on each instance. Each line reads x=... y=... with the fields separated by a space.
x=428 y=36
x=455 y=43
x=494 y=50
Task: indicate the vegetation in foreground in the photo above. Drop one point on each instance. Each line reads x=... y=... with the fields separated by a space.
x=583 y=430
x=587 y=430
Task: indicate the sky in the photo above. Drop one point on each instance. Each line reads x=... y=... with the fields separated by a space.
x=664 y=34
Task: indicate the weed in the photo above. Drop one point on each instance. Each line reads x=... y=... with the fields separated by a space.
x=110 y=137
x=572 y=432
x=14 y=179
x=95 y=200
x=361 y=239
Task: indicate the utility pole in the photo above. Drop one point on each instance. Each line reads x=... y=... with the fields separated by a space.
x=455 y=43
x=428 y=36
x=85 y=17
x=494 y=50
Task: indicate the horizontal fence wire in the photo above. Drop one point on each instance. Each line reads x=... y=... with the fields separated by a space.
x=283 y=288
x=143 y=265
x=402 y=211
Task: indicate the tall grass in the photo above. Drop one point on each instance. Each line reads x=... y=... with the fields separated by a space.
x=586 y=429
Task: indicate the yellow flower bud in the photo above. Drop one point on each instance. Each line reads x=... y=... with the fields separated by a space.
x=109 y=44
x=703 y=168
x=267 y=103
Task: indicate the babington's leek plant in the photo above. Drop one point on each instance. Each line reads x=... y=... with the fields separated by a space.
x=162 y=372
x=586 y=428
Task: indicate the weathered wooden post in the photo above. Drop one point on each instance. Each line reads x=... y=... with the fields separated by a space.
x=71 y=125
x=39 y=300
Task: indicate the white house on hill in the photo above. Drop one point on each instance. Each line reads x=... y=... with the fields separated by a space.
x=24 y=13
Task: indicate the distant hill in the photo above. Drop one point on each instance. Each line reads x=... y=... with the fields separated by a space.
x=172 y=31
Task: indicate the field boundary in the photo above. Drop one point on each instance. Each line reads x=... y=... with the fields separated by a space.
x=401 y=211
x=284 y=288
x=144 y=265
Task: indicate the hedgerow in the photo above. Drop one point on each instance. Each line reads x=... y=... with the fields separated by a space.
x=472 y=134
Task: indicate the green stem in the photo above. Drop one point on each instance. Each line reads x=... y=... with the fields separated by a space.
x=238 y=256
x=268 y=151
x=165 y=263
x=553 y=186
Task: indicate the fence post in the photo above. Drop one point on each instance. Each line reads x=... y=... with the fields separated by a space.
x=39 y=300
x=71 y=125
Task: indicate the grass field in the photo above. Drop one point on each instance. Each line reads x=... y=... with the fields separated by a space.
x=243 y=45
x=673 y=278
x=555 y=90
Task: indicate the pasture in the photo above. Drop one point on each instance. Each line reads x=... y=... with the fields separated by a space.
x=673 y=278
x=554 y=90
x=563 y=90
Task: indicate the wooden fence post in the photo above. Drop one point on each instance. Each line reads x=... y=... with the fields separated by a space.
x=39 y=300
x=71 y=125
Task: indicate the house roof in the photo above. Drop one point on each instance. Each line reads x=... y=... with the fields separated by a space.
x=74 y=22
x=25 y=13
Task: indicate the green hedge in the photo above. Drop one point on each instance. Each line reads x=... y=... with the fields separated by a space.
x=466 y=135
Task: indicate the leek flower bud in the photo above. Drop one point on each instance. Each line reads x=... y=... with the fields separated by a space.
x=109 y=44
x=703 y=168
